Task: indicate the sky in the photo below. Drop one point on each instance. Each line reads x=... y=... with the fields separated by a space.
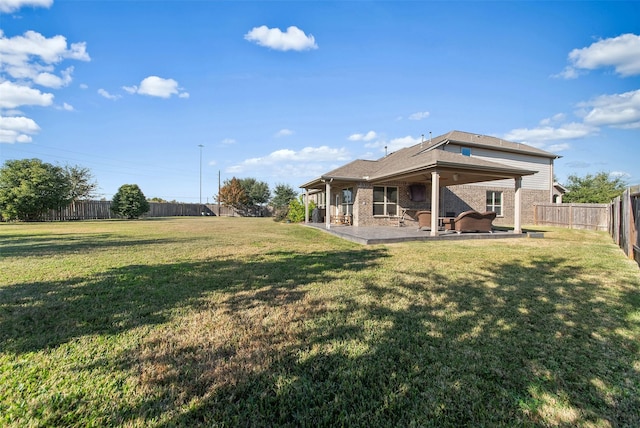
x=176 y=95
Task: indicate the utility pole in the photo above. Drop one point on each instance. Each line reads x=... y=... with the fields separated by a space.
x=201 y=146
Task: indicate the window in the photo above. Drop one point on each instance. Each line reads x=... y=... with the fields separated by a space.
x=466 y=151
x=385 y=201
x=347 y=200
x=494 y=202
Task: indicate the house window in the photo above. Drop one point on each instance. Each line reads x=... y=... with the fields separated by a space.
x=347 y=200
x=385 y=201
x=466 y=151
x=494 y=202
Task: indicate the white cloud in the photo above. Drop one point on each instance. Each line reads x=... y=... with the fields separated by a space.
x=402 y=142
x=294 y=38
x=617 y=110
x=553 y=119
x=283 y=157
x=228 y=141
x=107 y=95
x=394 y=144
x=67 y=107
x=560 y=147
x=622 y=53
x=284 y=133
x=620 y=174
x=363 y=137
x=13 y=95
x=549 y=133
x=419 y=115
x=17 y=129
x=32 y=53
x=155 y=86
x=8 y=6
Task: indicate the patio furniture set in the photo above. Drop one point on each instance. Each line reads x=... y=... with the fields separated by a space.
x=468 y=221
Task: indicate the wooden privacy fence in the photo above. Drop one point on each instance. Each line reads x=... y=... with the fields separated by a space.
x=97 y=210
x=573 y=216
x=625 y=222
x=621 y=218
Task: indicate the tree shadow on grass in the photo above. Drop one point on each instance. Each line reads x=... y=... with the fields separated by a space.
x=53 y=244
x=36 y=316
x=517 y=344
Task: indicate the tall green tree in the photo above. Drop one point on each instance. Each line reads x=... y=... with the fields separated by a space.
x=130 y=202
x=599 y=188
x=30 y=187
x=81 y=183
x=257 y=192
x=283 y=195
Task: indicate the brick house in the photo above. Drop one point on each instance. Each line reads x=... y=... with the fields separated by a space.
x=448 y=174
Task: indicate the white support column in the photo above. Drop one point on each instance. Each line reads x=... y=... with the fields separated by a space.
x=327 y=207
x=306 y=206
x=435 y=202
x=517 y=206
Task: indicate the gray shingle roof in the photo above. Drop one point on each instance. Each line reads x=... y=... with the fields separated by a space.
x=487 y=141
x=420 y=157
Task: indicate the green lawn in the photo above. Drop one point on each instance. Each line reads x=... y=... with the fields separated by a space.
x=247 y=322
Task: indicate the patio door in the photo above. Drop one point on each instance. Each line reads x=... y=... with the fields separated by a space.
x=346 y=197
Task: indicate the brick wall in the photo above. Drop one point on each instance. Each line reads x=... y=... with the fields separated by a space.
x=464 y=197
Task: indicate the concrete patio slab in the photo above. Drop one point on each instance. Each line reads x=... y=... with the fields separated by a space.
x=391 y=234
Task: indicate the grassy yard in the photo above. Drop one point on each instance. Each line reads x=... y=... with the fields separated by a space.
x=246 y=322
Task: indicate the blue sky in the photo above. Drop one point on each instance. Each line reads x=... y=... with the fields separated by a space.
x=284 y=91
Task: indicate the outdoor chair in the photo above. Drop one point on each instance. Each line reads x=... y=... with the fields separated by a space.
x=473 y=221
x=424 y=219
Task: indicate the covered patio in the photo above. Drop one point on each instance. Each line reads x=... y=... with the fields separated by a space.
x=371 y=235
x=435 y=169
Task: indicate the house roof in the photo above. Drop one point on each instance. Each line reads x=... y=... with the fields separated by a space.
x=485 y=141
x=415 y=163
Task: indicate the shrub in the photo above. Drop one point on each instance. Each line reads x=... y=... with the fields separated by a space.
x=129 y=201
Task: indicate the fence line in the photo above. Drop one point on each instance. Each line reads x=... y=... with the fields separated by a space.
x=573 y=216
x=625 y=222
x=100 y=210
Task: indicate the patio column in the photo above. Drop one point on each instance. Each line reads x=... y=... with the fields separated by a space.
x=435 y=202
x=327 y=204
x=517 y=206
x=306 y=206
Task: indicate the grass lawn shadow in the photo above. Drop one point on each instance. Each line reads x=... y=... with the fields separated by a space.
x=522 y=337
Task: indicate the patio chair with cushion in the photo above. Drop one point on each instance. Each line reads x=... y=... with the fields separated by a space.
x=424 y=219
x=473 y=221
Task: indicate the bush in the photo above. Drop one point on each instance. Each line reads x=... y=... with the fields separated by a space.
x=129 y=201
x=296 y=210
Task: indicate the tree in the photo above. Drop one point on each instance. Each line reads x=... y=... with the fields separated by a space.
x=30 y=187
x=600 y=188
x=283 y=195
x=232 y=194
x=129 y=201
x=257 y=192
x=81 y=183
